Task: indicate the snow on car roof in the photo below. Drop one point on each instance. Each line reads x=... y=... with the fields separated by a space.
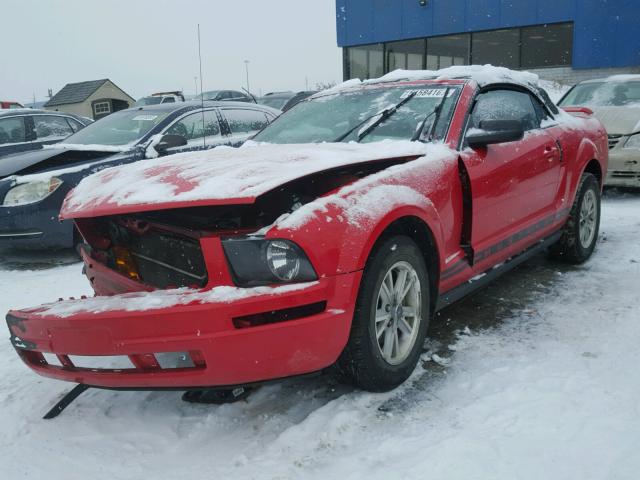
x=221 y=175
x=481 y=74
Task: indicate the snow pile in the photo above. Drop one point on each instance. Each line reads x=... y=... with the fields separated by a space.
x=158 y=299
x=223 y=173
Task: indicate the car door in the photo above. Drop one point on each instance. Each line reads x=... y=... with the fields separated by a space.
x=200 y=129
x=514 y=185
x=243 y=123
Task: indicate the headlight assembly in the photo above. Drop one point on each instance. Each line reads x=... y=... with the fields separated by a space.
x=261 y=262
x=633 y=142
x=31 y=192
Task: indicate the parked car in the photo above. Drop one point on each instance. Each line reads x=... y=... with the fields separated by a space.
x=226 y=96
x=160 y=97
x=9 y=105
x=25 y=129
x=33 y=184
x=330 y=240
x=284 y=100
x=615 y=101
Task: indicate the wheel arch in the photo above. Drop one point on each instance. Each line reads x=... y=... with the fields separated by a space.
x=416 y=227
x=593 y=166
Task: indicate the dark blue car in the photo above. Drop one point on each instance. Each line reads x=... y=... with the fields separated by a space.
x=22 y=130
x=34 y=184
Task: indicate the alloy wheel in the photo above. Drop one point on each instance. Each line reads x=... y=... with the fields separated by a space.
x=398 y=313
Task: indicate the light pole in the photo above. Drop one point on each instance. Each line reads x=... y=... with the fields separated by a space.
x=246 y=66
x=195 y=82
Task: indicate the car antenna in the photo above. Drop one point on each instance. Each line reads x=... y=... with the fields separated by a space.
x=204 y=137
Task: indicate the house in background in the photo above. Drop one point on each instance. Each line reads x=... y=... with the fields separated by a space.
x=93 y=99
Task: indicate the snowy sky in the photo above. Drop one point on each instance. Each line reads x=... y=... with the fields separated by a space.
x=151 y=45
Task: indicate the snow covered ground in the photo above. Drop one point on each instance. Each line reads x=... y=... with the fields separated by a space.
x=542 y=384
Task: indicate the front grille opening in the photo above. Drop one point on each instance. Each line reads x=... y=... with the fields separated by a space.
x=614 y=140
x=120 y=363
x=100 y=362
x=159 y=258
x=276 y=316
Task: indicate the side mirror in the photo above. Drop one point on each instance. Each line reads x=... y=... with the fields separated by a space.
x=495 y=131
x=170 y=141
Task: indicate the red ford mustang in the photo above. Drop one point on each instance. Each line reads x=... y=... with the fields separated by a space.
x=331 y=239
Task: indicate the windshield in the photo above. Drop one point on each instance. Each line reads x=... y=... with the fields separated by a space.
x=329 y=117
x=609 y=94
x=119 y=128
x=148 y=101
x=274 y=102
x=208 y=95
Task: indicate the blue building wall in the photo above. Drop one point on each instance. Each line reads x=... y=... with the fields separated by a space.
x=606 y=32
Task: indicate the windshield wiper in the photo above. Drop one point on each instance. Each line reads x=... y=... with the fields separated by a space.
x=437 y=111
x=383 y=115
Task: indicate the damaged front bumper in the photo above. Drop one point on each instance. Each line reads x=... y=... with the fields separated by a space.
x=239 y=337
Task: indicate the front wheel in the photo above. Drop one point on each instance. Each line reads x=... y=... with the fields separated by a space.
x=580 y=233
x=391 y=317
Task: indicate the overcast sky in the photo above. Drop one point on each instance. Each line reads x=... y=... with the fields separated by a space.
x=151 y=45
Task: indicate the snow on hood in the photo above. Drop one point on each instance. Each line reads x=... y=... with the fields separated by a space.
x=363 y=201
x=157 y=299
x=220 y=176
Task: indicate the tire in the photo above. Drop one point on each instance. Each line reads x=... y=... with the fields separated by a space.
x=580 y=233
x=365 y=361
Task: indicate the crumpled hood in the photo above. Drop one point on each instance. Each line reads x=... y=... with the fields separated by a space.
x=619 y=120
x=216 y=177
x=14 y=164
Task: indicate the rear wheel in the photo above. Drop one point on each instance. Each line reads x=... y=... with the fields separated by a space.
x=580 y=233
x=391 y=317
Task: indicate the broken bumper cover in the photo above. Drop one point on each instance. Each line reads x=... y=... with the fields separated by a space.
x=219 y=343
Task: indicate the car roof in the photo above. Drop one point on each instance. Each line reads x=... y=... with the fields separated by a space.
x=195 y=104
x=31 y=111
x=614 y=78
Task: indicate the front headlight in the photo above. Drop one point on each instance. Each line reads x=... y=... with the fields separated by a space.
x=633 y=142
x=261 y=262
x=31 y=192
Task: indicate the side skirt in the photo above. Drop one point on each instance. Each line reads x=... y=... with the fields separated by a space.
x=470 y=286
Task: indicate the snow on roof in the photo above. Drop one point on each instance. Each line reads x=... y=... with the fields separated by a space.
x=157 y=299
x=221 y=174
x=481 y=74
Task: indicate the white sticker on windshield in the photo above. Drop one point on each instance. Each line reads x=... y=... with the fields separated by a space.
x=145 y=118
x=427 y=93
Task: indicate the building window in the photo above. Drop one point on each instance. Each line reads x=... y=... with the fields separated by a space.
x=101 y=108
x=518 y=48
x=499 y=47
x=365 y=62
x=446 y=51
x=407 y=54
x=547 y=45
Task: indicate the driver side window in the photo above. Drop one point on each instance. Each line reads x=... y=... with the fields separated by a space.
x=505 y=105
x=193 y=128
